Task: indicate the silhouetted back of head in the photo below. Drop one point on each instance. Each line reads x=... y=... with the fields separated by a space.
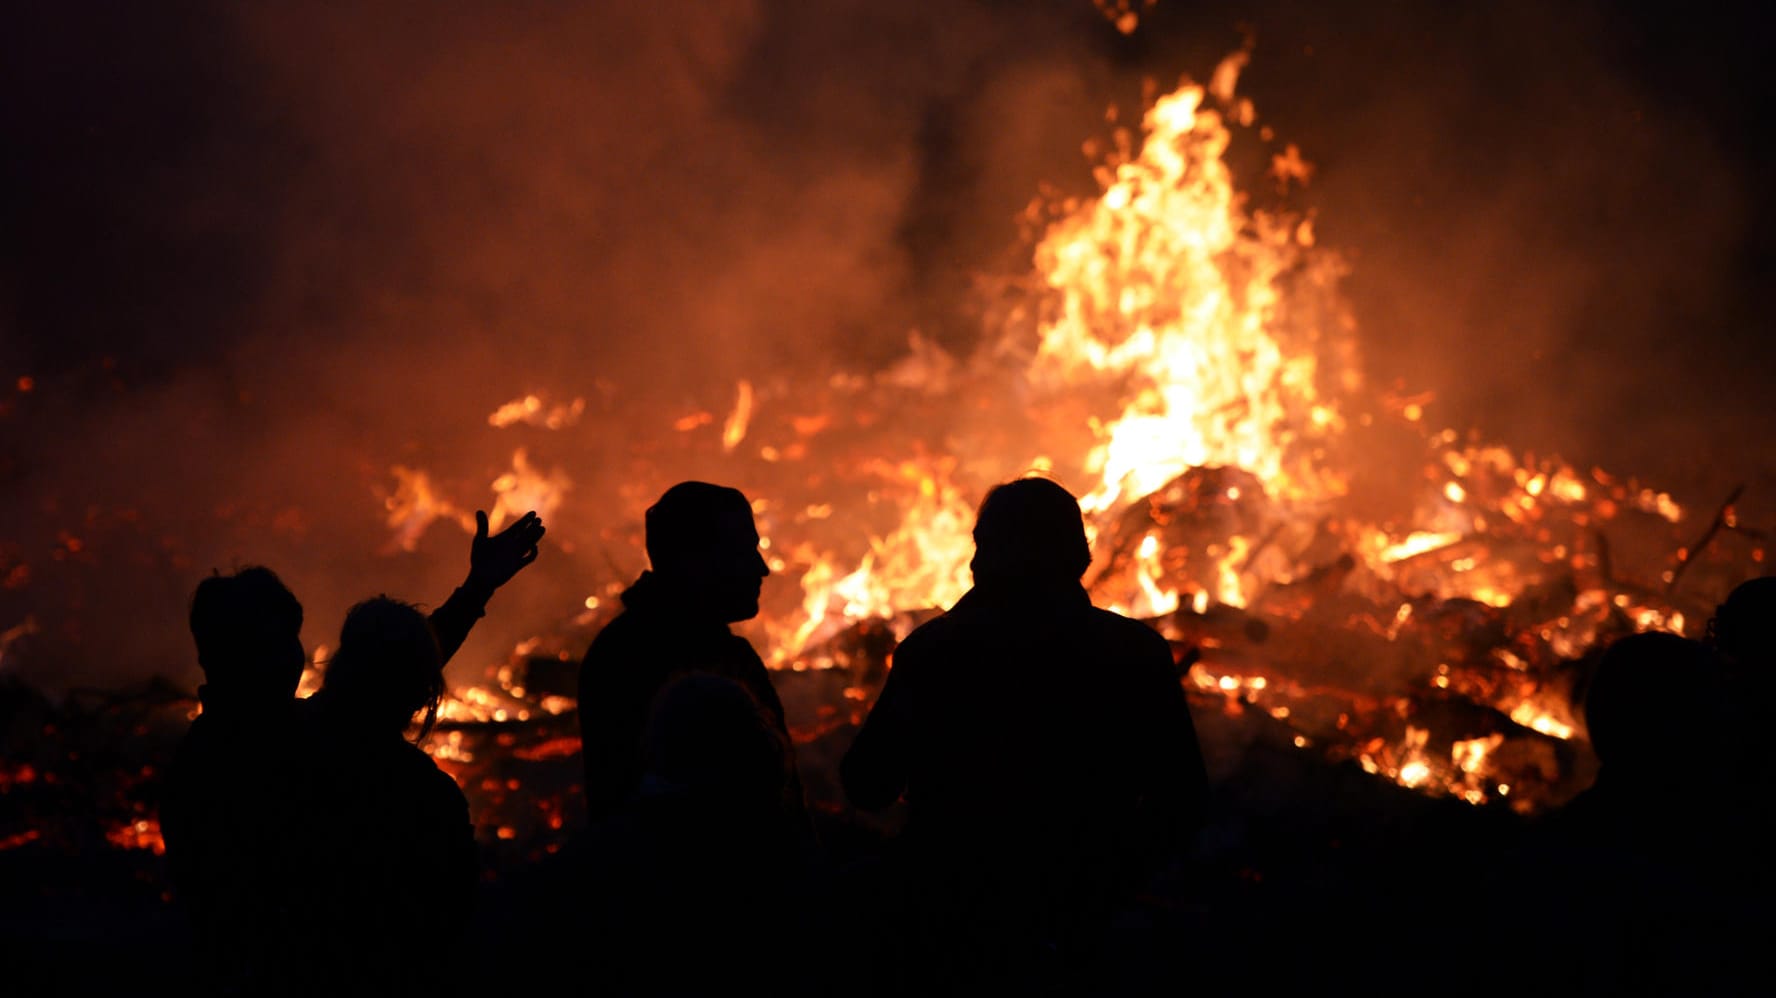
x=248 y=630
x=387 y=668
x=1030 y=530
x=1744 y=627
x=708 y=735
x=1641 y=706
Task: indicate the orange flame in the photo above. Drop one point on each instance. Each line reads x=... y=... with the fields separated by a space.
x=1166 y=285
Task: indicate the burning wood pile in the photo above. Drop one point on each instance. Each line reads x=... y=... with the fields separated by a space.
x=1334 y=575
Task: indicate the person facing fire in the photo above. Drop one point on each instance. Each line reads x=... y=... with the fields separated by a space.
x=1743 y=631
x=660 y=887
x=390 y=864
x=234 y=813
x=1045 y=752
x=228 y=812
x=1649 y=875
x=706 y=573
x=1743 y=634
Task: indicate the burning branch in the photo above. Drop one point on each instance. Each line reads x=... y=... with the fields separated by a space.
x=1723 y=517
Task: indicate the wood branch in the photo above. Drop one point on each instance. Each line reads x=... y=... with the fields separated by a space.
x=1689 y=554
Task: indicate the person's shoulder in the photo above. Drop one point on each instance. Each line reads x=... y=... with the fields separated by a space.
x=220 y=742
x=619 y=641
x=931 y=635
x=422 y=773
x=1128 y=630
x=615 y=629
x=193 y=754
x=409 y=756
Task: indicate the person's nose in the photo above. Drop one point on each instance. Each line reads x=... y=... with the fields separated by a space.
x=759 y=564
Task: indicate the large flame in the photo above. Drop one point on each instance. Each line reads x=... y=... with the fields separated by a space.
x=1165 y=294
x=1180 y=357
x=1166 y=286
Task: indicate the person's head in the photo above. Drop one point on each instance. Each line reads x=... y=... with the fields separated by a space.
x=1643 y=704
x=702 y=541
x=387 y=668
x=708 y=735
x=1744 y=627
x=248 y=630
x=1030 y=530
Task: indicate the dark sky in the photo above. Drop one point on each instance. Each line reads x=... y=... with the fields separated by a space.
x=239 y=237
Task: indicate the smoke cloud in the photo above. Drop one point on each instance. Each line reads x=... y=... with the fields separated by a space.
x=260 y=254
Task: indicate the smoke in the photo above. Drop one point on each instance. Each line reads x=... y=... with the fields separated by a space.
x=1553 y=220
x=264 y=252
x=347 y=235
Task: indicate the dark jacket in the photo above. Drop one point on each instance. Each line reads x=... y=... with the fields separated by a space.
x=653 y=641
x=392 y=865
x=1049 y=765
x=241 y=814
x=235 y=822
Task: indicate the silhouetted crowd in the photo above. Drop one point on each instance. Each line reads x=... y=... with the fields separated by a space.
x=1042 y=747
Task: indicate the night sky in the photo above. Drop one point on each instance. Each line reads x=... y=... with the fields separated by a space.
x=247 y=245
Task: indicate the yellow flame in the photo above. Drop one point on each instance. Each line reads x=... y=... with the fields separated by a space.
x=1230 y=589
x=921 y=564
x=1471 y=755
x=524 y=488
x=414 y=505
x=1530 y=716
x=1149 y=570
x=1416 y=544
x=734 y=430
x=532 y=410
x=1165 y=284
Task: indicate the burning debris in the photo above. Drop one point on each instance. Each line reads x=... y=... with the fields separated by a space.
x=1194 y=359
x=1187 y=359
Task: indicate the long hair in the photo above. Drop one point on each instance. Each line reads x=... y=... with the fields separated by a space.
x=388 y=667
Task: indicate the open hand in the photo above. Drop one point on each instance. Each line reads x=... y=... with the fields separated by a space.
x=494 y=560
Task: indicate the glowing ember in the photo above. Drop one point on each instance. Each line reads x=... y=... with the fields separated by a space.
x=1530 y=717
x=142 y=833
x=533 y=411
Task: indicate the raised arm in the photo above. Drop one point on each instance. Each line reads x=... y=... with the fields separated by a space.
x=493 y=561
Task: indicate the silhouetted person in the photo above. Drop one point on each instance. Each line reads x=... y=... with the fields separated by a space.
x=231 y=821
x=392 y=866
x=697 y=882
x=1639 y=875
x=706 y=574
x=1046 y=755
x=235 y=814
x=1743 y=633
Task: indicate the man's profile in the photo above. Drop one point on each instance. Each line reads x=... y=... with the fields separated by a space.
x=705 y=573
